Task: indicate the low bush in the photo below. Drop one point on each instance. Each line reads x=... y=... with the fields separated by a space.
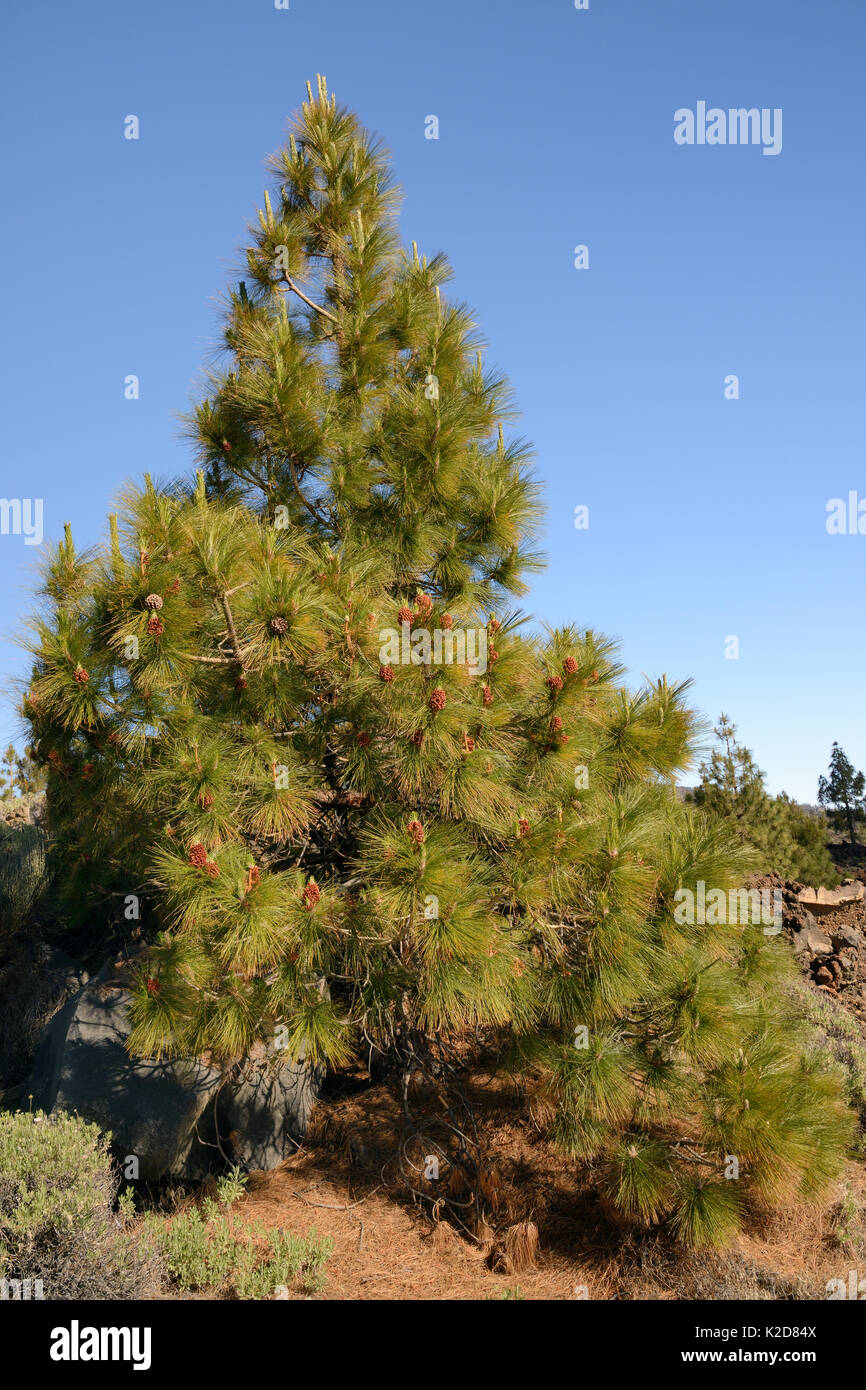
x=201 y=1251
x=57 y=1223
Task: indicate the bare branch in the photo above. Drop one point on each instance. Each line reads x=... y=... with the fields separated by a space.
x=317 y=307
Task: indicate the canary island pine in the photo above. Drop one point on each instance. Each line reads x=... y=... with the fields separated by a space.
x=294 y=727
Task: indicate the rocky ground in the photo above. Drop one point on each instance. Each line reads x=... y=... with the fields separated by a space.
x=827 y=928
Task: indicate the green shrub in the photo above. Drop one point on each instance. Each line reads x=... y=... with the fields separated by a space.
x=57 y=1191
x=200 y=1251
x=197 y=1254
x=298 y=1259
x=232 y=1186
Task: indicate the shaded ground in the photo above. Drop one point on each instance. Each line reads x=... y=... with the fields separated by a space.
x=345 y=1183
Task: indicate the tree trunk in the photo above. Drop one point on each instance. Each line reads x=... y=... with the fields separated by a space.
x=851 y=831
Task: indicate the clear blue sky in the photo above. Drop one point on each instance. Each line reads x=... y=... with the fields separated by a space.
x=707 y=516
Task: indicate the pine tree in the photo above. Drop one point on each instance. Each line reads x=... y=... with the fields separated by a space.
x=340 y=836
x=787 y=839
x=19 y=773
x=843 y=790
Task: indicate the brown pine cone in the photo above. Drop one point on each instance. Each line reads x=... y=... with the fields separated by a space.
x=405 y=614
x=155 y=626
x=487 y=695
x=153 y=602
x=198 y=855
x=438 y=700
x=312 y=894
x=386 y=674
x=554 y=682
x=569 y=666
x=446 y=621
x=81 y=675
x=279 y=625
x=212 y=869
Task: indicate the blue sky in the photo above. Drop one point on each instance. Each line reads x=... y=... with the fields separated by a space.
x=707 y=515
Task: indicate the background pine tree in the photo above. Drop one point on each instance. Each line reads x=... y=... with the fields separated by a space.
x=843 y=790
x=787 y=839
x=353 y=853
x=19 y=774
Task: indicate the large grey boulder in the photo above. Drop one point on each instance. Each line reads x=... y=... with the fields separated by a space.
x=150 y=1108
x=263 y=1110
x=177 y=1118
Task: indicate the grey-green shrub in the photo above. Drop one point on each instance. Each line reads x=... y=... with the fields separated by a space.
x=57 y=1224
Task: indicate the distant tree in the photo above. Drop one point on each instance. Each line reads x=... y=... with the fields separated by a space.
x=19 y=773
x=786 y=838
x=843 y=791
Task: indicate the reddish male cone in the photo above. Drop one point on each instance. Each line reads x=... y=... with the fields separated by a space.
x=416 y=832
